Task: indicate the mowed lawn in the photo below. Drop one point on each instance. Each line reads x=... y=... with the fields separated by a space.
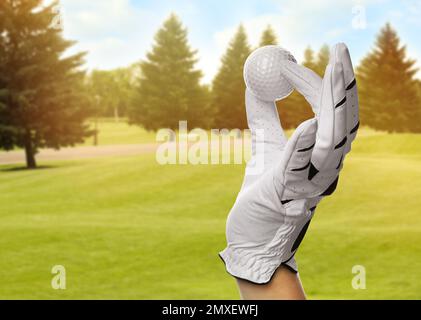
x=127 y=228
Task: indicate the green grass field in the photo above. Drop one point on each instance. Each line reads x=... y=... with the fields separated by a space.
x=111 y=132
x=126 y=228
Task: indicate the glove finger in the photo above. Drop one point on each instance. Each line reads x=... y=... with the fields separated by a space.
x=335 y=157
x=331 y=133
x=295 y=164
x=262 y=115
x=268 y=137
x=305 y=81
x=352 y=107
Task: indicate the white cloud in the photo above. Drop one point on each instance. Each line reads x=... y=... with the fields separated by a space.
x=295 y=32
x=117 y=33
x=254 y=27
x=98 y=17
x=113 y=32
x=297 y=24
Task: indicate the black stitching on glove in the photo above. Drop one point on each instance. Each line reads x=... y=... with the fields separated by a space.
x=300 y=237
x=331 y=188
x=342 y=143
x=355 y=129
x=341 y=103
x=303 y=168
x=352 y=85
x=307 y=149
x=312 y=172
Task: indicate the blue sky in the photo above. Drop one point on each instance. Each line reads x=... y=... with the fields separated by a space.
x=119 y=32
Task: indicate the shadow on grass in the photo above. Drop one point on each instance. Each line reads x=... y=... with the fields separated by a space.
x=20 y=168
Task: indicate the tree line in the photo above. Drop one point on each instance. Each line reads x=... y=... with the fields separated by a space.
x=47 y=96
x=168 y=85
x=168 y=88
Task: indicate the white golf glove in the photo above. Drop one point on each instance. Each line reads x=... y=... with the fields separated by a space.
x=274 y=208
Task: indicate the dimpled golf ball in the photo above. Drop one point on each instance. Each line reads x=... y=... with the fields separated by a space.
x=263 y=75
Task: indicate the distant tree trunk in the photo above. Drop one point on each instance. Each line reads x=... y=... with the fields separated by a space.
x=96 y=133
x=29 y=151
x=116 y=114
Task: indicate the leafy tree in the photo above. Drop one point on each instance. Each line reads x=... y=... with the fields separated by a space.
x=389 y=93
x=169 y=89
x=268 y=37
x=228 y=85
x=42 y=99
x=112 y=90
x=103 y=88
x=124 y=90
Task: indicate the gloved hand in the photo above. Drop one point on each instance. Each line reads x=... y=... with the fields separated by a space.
x=274 y=207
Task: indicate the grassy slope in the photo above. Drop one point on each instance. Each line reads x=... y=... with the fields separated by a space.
x=128 y=228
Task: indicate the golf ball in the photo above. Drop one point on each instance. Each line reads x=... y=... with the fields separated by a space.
x=263 y=75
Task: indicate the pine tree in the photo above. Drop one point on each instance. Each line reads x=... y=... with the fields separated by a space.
x=228 y=85
x=268 y=37
x=42 y=99
x=309 y=59
x=322 y=60
x=389 y=96
x=295 y=109
x=169 y=88
x=290 y=110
